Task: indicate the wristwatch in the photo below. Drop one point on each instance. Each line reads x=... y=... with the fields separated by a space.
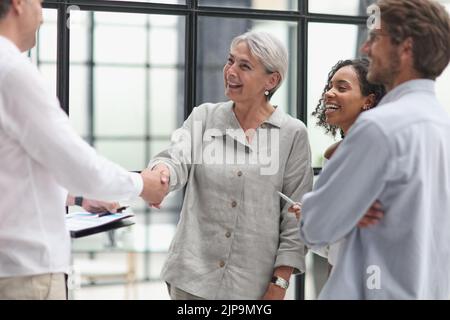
x=79 y=201
x=278 y=281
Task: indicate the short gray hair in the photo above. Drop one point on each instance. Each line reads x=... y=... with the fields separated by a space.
x=4 y=7
x=268 y=49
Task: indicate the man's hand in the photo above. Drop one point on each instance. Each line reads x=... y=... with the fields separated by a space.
x=165 y=174
x=156 y=186
x=372 y=216
x=297 y=209
x=95 y=206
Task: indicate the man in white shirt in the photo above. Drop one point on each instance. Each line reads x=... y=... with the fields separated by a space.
x=398 y=153
x=41 y=160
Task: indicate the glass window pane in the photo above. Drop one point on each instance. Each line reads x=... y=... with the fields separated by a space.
x=164 y=107
x=43 y=54
x=164 y=44
x=343 y=41
x=215 y=35
x=122 y=19
x=132 y=81
x=254 y=4
x=114 y=43
x=163 y=1
x=164 y=21
x=48 y=71
x=78 y=112
x=119 y=101
x=347 y=7
x=80 y=23
x=128 y=154
x=47 y=49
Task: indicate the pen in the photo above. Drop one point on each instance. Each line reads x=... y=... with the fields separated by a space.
x=107 y=213
x=285 y=197
x=119 y=210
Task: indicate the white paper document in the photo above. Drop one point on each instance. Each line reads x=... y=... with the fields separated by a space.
x=77 y=221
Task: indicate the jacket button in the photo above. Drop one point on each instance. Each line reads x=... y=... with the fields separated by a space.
x=239 y=173
x=228 y=234
x=222 y=264
x=234 y=204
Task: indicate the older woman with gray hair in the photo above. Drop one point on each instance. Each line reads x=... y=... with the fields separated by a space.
x=235 y=238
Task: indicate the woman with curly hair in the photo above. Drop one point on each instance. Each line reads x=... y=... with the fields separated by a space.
x=346 y=94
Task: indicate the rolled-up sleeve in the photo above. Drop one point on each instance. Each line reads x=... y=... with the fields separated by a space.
x=298 y=180
x=184 y=149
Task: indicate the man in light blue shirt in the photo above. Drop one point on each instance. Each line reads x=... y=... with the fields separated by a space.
x=398 y=153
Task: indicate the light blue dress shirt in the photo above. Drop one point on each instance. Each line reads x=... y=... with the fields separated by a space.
x=398 y=153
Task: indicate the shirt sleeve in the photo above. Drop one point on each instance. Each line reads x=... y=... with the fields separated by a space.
x=297 y=180
x=30 y=115
x=184 y=150
x=349 y=184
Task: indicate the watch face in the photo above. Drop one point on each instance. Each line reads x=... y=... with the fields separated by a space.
x=280 y=282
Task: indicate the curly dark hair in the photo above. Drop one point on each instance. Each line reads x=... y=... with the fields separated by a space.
x=361 y=67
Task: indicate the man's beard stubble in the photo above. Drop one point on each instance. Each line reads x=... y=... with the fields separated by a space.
x=386 y=73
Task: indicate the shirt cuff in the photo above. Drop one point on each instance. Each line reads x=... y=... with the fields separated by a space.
x=292 y=259
x=138 y=183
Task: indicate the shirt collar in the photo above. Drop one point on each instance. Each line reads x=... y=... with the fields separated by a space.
x=407 y=87
x=226 y=118
x=7 y=43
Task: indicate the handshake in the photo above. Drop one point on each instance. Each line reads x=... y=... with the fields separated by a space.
x=156 y=184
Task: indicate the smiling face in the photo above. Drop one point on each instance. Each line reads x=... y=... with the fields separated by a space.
x=344 y=100
x=384 y=58
x=245 y=77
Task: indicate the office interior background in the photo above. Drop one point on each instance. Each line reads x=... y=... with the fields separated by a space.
x=129 y=72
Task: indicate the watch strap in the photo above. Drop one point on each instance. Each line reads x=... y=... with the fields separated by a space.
x=79 y=201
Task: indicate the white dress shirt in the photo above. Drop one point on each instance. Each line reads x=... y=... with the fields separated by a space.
x=398 y=153
x=41 y=158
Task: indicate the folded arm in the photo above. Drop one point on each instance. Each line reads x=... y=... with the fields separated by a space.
x=350 y=183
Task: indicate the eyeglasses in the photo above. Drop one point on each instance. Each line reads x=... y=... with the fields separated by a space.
x=375 y=36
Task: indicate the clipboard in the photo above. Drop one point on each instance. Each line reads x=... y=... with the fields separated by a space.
x=82 y=224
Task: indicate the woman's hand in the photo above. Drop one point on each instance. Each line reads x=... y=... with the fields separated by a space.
x=274 y=292
x=296 y=209
x=372 y=216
